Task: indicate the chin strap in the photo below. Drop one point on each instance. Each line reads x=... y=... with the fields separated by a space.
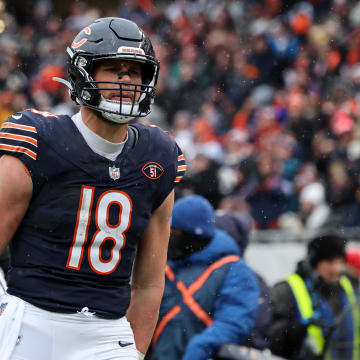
x=68 y=85
x=63 y=81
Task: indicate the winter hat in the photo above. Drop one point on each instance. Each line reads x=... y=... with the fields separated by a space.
x=326 y=247
x=236 y=225
x=195 y=215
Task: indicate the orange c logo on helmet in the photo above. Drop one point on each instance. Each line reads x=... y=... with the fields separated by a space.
x=152 y=170
x=75 y=45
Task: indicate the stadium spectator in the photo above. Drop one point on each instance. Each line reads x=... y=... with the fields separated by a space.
x=315 y=309
x=267 y=68
x=238 y=226
x=210 y=296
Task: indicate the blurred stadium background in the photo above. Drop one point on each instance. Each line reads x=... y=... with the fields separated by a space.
x=262 y=96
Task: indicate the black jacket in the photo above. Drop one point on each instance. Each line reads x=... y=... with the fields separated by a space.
x=287 y=333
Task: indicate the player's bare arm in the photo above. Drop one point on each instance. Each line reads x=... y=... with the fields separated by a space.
x=148 y=275
x=15 y=194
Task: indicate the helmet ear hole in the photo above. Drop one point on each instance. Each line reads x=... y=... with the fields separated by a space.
x=147 y=73
x=93 y=66
x=72 y=77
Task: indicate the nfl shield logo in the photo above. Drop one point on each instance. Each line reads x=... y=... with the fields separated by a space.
x=114 y=172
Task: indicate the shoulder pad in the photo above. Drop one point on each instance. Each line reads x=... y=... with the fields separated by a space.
x=159 y=135
x=19 y=136
x=33 y=113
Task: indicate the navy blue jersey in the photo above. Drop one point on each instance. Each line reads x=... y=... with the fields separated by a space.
x=76 y=244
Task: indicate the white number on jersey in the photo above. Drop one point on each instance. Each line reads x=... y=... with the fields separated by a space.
x=105 y=231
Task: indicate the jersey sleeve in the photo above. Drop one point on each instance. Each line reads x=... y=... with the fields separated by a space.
x=174 y=174
x=19 y=138
x=181 y=166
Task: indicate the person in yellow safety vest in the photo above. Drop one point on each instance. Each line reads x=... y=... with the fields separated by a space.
x=316 y=306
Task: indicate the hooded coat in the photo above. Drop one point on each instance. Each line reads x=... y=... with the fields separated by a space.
x=238 y=226
x=229 y=296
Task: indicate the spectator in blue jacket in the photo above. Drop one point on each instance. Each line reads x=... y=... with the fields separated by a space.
x=210 y=296
x=238 y=226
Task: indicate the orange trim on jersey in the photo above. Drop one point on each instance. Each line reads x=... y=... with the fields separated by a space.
x=169 y=273
x=155 y=126
x=43 y=113
x=181 y=157
x=108 y=212
x=109 y=237
x=178 y=179
x=111 y=251
x=19 y=149
x=26 y=169
x=182 y=168
x=18 y=126
x=77 y=225
x=19 y=137
x=164 y=321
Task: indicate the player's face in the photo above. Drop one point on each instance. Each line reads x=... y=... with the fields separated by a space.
x=124 y=71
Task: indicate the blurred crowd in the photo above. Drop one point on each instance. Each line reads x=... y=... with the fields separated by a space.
x=261 y=95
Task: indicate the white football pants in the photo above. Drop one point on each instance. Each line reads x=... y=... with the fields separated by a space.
x=46 y=335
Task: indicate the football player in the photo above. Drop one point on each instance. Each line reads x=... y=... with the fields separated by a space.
x=85 y=205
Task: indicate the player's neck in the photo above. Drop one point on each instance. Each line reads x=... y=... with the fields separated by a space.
x=109 y=131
